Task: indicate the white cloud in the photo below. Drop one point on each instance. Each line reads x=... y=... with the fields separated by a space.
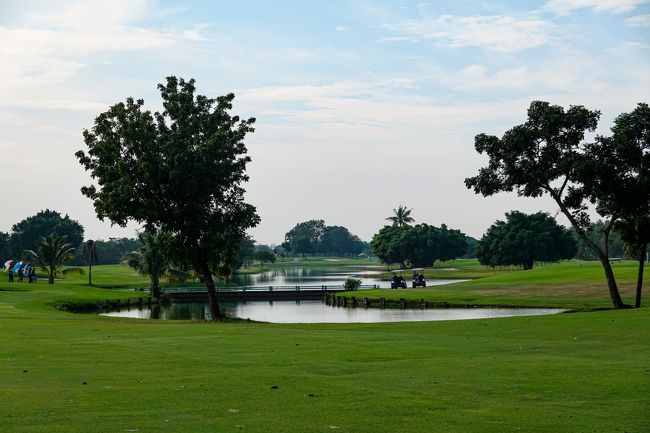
x=495 y=32
x=567 y=72
x=399 y=39
x=50 y=47
x=564 y=7
x=523 y=78
x=194 y=33
x=60 y=104
x=638 y=21
x=631 y=50
x=93 y=14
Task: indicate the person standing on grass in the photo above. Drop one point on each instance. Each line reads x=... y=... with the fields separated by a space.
x=32 y=275
x=20 y=275
x=11 y=275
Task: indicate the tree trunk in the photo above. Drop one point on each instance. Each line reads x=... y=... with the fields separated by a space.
x=213 y=302
x=50 y=276
x=639 y=280
x=611 y=282
x=155 y=288
x=90 y=274
x=604 y=260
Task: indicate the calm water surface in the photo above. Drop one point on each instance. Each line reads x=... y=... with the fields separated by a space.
x=318 y=312
x=323 y=276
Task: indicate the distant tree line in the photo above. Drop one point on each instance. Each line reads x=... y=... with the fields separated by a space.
x=109 y=252
x=313 y=237
x=249 y=252
x=25 y=235
x=594 y=231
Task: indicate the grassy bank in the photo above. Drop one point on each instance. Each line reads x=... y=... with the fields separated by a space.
x=570 y=284
x=578 y=372
x=455 y=269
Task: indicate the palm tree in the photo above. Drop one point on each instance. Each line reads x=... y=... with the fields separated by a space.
x=90 y=253
x=53 y=252
x=402 y=216
x=151 y=258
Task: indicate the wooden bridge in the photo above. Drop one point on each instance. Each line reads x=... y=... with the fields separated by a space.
x=258 y=293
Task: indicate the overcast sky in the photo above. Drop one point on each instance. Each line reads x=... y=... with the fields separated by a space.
x=361 y=105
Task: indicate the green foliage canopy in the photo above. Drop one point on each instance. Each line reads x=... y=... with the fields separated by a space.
x=387 y=245
x=109 y=252
x=523 y=239
x=264 y=257
x=401 y=216
x=615 y=247
x=305 y=237
x=27 y=233
x=6 y=250
x=623 y=188
x=420 y=245
x=151 y=258
x=338 y=241
x=547 y=155
x=314 y=237
x=244 y=254
x=53 y=252
x=179 y=170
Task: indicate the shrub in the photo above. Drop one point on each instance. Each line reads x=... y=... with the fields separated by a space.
x=351 y=284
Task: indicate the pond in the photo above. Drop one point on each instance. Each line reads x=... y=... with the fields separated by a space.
x=322 y=276
x=318 y=312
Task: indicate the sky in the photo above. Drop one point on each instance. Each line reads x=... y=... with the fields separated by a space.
x=361 y=105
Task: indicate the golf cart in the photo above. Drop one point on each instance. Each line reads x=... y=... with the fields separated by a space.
x=398 y=281
x=418 y=279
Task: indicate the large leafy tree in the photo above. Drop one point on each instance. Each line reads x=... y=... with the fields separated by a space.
x=401 y=216
x=338 y=241
x=5 y=246
x=53 y=253
x=387 y=245
x=264 y=257
x=420 y=245
x=179 y=170
x=27 y=233
x=305 y=237
x=452 y=243
x=524 y=239
x=547 y=155
x=245 y=253
x=152 y=257
x=618 y=167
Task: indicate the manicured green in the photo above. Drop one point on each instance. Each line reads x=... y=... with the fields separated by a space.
x=574 y=372
x=571 y=284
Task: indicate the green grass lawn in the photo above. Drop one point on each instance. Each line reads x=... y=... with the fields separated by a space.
x=454 y=269
x=573 y=372
x=571 y=284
